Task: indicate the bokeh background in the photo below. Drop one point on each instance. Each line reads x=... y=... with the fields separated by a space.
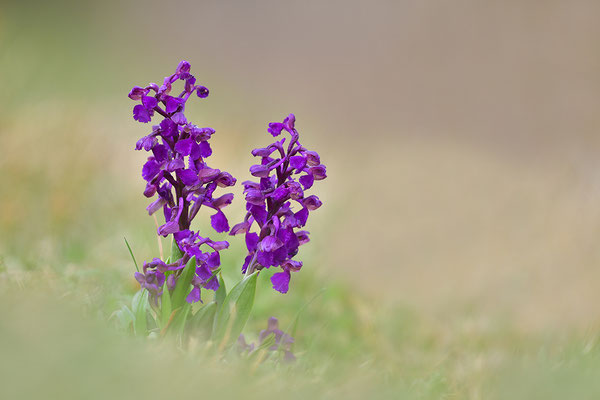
x=461 y=140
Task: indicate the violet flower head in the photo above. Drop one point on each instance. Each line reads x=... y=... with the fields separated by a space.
x=278 y=204
x=180 y=181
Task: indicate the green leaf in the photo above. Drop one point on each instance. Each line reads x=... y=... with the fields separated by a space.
x=139 y=306
x=182 y=288
x=176 y=253
x=235 y=311
x=291 y=329
x=132 y=256
x=180 y=318
x=221 y=293
x=204 y=318
x=165 y=306
x=124 y=318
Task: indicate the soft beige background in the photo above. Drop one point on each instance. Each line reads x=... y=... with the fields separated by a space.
x=461 y=137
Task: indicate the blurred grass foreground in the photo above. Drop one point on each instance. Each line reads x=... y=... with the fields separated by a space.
x=456 y=254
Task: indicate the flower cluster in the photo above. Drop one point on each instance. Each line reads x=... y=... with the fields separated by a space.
x=178 y=175
x=284 y=174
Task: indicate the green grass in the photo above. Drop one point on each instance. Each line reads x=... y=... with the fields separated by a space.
x=57 y=341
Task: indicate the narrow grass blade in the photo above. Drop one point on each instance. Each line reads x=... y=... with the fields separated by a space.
x=132 y=256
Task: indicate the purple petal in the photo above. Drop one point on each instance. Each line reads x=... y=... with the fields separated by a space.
x=179 y=118
x=212 y=284
x=208 y=174
x=189 y=83
x=281 y=281
x=220 y=245
x=168 y=127
x=290 y=122
x=187 y=176
x=156 y=205
x=195 y=152
x=139 y=277
x=312 y=202
x=319 y=172
x=137 y=92
x=297 y=162
x=150 y=169
x=260 y=171
x=149 y=102
x=219 y=222
x=255 y=196
x=259 y=213
x=307 y=181
x=242 y=227
x=141 y=114
x=280 y=193
x=203 y=272
x=270 y=243
x=173 y=103
x=265 y=258
x=302 y=216
x=263 y=152
x=225 y=179
x=246 y=263
x=202 y=92
x=302 y=237
x=160 y=152
x=275 y=128
x=184 y=147
x=169 y=227
x=175 y=164
x=312 y=158
x=171 y=282
x=223 y=201
x=213 y=260
x=150 y=190
x=194 y=295
x=251 y=241
x=183 y=66
x=205 y=150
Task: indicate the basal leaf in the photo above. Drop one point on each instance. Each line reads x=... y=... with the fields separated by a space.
x=139 y=307
x=176 y=253
x=182 y=288
x=165 y=306
x=221 y=293
x=204 y=318
x=232 y=316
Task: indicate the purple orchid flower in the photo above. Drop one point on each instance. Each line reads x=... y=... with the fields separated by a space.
x=278 y=205
x=176 y=173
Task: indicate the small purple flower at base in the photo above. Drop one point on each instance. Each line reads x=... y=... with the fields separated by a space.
x=283 y=342
x=243 y=346
x=152 y=281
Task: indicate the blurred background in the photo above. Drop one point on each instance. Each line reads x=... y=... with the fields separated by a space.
x=461 y=140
